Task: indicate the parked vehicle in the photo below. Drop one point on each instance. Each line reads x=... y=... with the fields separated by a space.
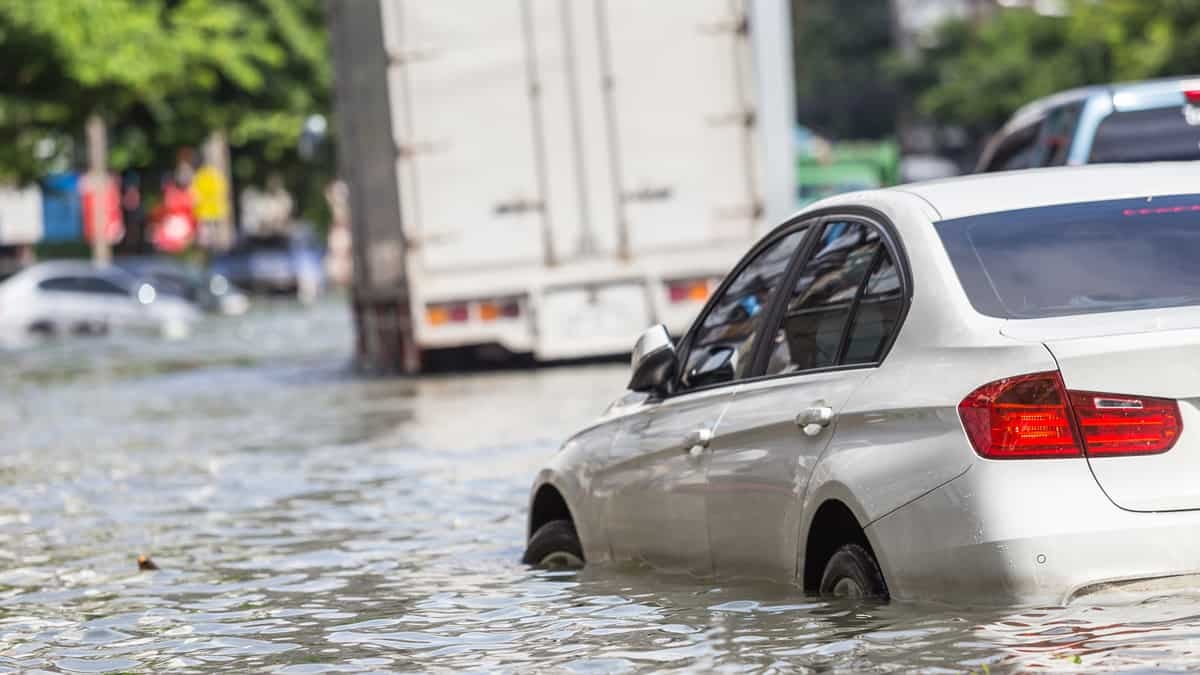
x=75 y=298
x=596 y=194
x=1126 y=122
x=984 y=387
x=276 y=264
x=209 y=291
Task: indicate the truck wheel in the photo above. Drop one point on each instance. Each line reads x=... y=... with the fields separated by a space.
x=852 y=572
x=555 y=545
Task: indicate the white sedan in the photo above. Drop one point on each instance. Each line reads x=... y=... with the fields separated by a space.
x=985 y=387
x=77 y=298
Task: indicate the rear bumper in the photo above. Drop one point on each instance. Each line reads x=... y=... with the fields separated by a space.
x=1028 y=532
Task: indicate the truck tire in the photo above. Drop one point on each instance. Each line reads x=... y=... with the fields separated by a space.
x=853 y=573
x=555 y=545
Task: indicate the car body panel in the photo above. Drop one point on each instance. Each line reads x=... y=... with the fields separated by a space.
x=652 y=490
x=1164 y=364
x=1005 y=534
x=759 y=467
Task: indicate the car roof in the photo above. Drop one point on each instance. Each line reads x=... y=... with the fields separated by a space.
x=976 y=194
x=59 y=268
x=1132 y=91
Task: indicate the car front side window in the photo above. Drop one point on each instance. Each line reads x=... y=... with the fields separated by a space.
x=824 y=296
x=722 y=343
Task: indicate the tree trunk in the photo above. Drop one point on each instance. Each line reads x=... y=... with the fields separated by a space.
x=97 y=145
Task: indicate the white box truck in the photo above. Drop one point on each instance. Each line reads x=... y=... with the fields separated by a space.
x=572 y=171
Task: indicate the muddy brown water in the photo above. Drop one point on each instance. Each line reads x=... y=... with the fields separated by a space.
x=305 y=520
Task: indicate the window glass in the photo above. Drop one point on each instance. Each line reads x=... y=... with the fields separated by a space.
x=722 y=345
x=1107 y=256
x=59 y=284
x=1018 y=150
x=876 y=313
x=810 y=334
x=99 y=286
x=1157 y=134
x=1058 y=133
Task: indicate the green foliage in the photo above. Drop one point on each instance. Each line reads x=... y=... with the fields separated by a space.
x=842 y=90
x=163 y=74
x=976 y=75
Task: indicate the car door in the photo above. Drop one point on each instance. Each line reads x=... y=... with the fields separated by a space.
x=842 y=310
x=653 y=486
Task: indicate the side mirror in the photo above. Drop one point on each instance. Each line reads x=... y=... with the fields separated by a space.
x=654 y=361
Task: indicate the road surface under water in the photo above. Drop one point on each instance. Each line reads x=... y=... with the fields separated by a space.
x=305 y=520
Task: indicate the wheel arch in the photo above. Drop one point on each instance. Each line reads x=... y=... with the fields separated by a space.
x=833 y=517
x=547 y=503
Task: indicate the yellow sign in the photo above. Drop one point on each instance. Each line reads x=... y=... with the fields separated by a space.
x=212 y=194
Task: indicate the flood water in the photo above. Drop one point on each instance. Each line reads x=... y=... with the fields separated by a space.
x=305 y=520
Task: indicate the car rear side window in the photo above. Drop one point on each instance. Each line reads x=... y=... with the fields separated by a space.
x=1079 y=258
x=823 y=298
x=877 y=312
x=1157 y=134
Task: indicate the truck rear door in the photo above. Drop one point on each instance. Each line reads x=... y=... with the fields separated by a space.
x=680 y=121
x=468 y=153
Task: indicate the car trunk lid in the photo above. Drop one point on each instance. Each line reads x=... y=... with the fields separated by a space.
x=1157 y=354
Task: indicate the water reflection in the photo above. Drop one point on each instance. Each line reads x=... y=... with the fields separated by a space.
x=307 y=521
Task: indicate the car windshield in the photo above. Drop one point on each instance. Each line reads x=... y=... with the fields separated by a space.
x=1079 y=258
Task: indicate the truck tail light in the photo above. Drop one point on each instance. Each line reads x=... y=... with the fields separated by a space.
x=439 y=315
x=1035 y=417
x=688 y=290
x=492 y=310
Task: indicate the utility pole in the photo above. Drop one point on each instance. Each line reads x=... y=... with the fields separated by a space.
x=97 y=142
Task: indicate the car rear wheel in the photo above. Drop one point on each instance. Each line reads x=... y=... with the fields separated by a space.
x=852 y=572
x=554 y=545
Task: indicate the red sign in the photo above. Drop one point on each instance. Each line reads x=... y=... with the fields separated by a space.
x=106 y=202
x=176 y=222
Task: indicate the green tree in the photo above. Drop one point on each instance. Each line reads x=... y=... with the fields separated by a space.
x=163 y=74
x=976 y=75
x=840 y=49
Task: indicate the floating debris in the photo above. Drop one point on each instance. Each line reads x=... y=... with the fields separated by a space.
x=145 y=564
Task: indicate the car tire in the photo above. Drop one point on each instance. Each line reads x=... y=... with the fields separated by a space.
x=853 y=573
x=554 y=545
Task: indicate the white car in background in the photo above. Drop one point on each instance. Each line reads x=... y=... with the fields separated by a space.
x=982 y=388
x=63 y=298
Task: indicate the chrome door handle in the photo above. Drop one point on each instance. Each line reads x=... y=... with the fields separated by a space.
x=697 y=441
x=813 y=420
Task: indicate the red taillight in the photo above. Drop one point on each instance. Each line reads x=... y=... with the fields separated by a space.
x=1192 y=95
x=1021 y=417
x=1034 y=416
x=1115 y=424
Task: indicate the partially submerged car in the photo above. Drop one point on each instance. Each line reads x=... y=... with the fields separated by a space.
x=985 y=387
x=210 y=291
x=76 y=298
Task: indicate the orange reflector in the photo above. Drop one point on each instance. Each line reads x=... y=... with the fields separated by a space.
x=489 y=311
x=437 y=315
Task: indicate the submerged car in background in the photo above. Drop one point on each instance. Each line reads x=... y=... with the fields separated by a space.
x=983 y=388
x=209 y=291
x=1157 y=120
x=288 y=264
x=76 y=298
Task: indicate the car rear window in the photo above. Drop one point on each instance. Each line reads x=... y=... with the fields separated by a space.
x=1079 y=258
x=1157 y=134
